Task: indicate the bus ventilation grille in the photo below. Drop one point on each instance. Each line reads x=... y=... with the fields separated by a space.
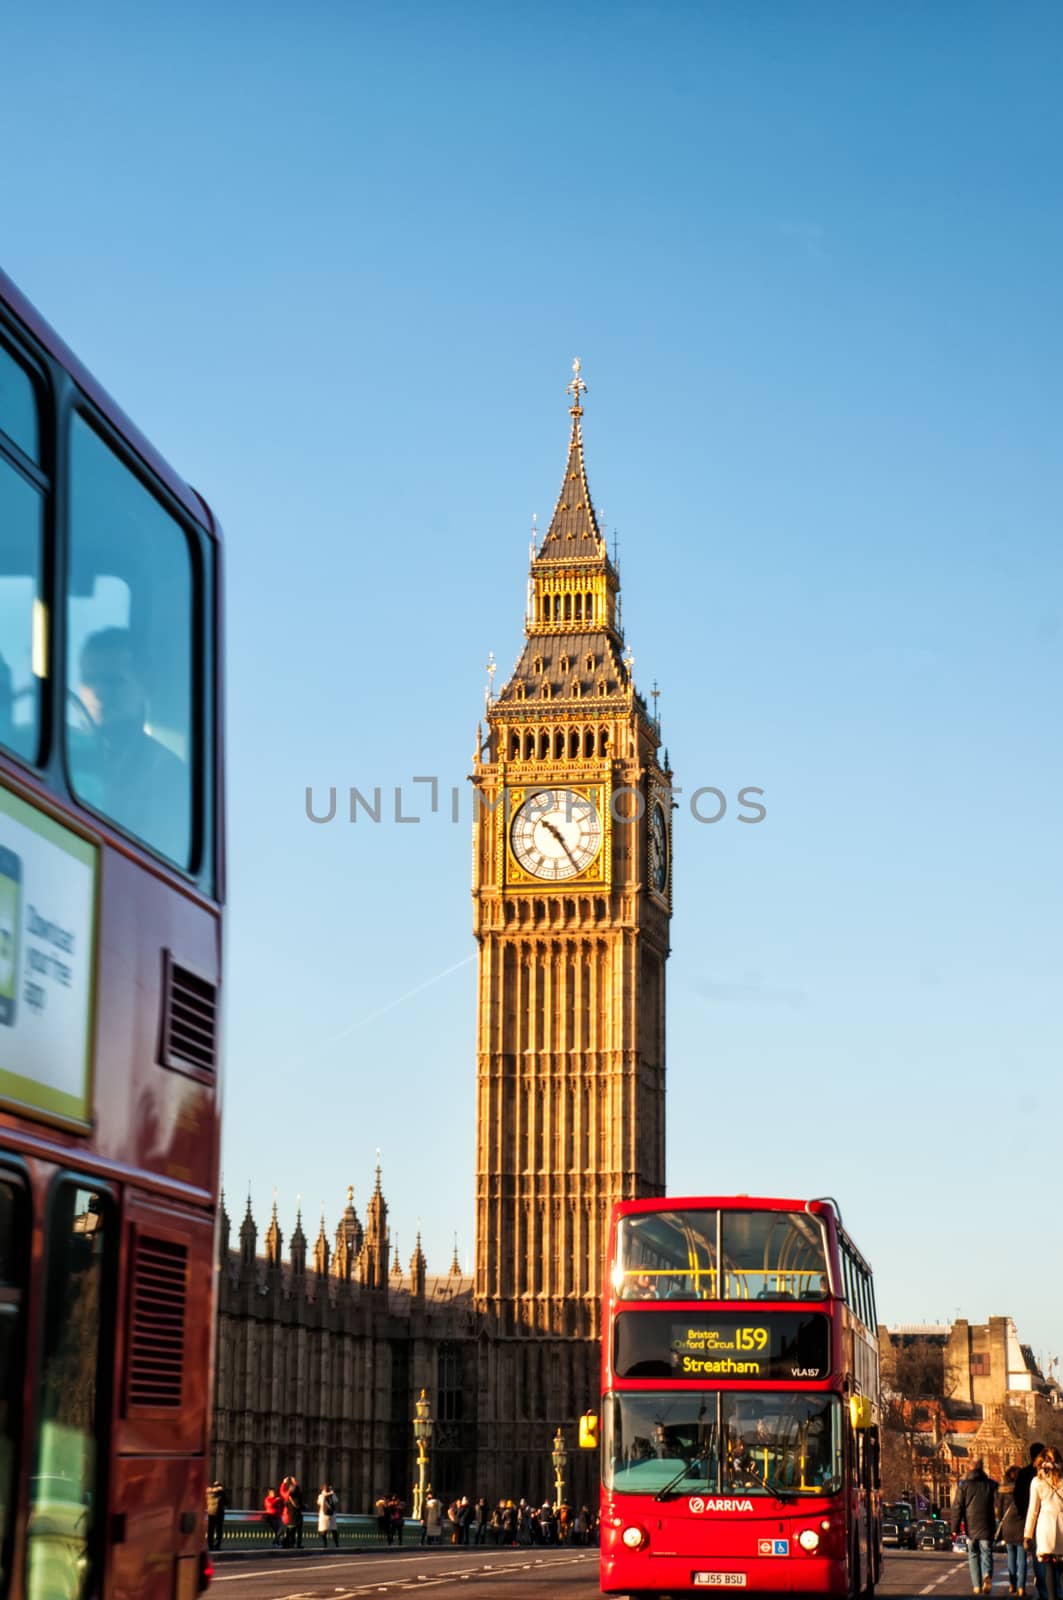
x=157 y=1347
x=190 y=1018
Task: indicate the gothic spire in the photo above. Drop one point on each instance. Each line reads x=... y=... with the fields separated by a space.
x=321 y=1249
x=297 y=1245
x=274 y=1239
x=224 y=1230
x=418 y=1270
x=248 y=1236
x=573 y=534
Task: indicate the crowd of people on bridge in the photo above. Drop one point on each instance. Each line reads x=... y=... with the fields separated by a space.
x=459 y=1521
x=509 y=1522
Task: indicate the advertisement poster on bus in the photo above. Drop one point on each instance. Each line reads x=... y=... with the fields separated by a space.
x=47 y=955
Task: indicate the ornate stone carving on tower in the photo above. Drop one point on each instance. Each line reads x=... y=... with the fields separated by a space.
x=572 y=901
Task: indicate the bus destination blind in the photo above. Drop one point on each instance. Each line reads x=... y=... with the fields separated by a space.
x=781 y=1345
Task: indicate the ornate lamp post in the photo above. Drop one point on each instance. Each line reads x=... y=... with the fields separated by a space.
x=422 y=1433
x=559 y=1457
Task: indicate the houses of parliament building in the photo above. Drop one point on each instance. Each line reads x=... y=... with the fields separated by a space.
x=323 y=1349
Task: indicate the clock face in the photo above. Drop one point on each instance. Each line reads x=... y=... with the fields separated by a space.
x=658 y=849
x=556 y=834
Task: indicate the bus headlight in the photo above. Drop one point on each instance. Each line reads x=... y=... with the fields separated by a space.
x=808 y=1539
x=633 y=1537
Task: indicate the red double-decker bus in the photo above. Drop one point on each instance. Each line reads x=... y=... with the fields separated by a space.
x=739 y=1426
x=111 y=880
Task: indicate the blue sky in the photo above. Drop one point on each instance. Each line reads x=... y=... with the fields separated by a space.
x=336 y=260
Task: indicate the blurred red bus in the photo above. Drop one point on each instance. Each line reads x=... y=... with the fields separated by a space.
x=740 y=1400
x=111 y=888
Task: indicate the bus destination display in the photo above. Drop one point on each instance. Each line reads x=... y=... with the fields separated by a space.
x=790 y=1345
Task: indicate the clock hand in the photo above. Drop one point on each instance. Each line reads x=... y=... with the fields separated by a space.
x=559 y=836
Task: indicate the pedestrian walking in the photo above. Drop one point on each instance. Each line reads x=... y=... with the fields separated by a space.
x=483 y=1518
x=272 y=1506
x=383 y=1518
x=216 y=1503
x=326 y=1516
x=1022 y=1499
x=974 y=1508
x=1044 y=1520
x=1011 y=1531
x=432 y=1520
x=396 y=1518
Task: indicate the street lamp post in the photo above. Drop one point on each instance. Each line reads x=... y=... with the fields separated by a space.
x=422 y=1433
x=559 y=1457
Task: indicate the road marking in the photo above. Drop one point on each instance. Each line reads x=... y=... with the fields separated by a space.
x=400 y=1580
x=951 y=1573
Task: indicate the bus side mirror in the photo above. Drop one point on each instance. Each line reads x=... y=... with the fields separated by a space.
x=860 y=1412
x=588 y=1431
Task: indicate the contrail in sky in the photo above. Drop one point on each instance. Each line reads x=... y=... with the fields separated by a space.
x=400 y=1000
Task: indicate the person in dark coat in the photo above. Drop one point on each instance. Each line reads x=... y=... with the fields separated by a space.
x=215 y=1514
x=975 y=1509
x=1011 y=1531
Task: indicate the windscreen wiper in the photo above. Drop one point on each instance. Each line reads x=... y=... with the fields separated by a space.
x=784 y=1499
x=688 y=1466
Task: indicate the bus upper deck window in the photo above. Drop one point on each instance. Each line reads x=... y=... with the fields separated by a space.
x=22 y=487
x=129 y=695
x=772 y=1255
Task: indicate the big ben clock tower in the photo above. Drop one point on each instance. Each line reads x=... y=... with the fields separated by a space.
x=572 y=885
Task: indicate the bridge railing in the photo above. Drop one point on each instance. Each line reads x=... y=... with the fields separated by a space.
x=251 y=1530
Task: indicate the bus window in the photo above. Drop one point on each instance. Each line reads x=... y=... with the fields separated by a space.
x=667 y=1255
x=22 y=520
x=14 y=1216
x=655 y=1442
x=130 y=719
x=782 y=1441
x=71 y=1419
x=772 y=1255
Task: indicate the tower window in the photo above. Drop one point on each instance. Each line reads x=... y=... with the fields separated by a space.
x=603 y=742
x=538 y=664
x=568 y=607
x=546 y=691
x=589 y=662
x=590 y=608
x=559 y=744
x=522 y=692
x=603 y=689
x=563 y=663
x=579 y=608
x=573 y=743
x=557 y=605
x=575 y=691
x=588 y=742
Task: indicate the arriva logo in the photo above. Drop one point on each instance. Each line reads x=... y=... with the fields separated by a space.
x=697 y=1505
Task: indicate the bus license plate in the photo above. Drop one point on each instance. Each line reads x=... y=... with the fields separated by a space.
x=719 y=1580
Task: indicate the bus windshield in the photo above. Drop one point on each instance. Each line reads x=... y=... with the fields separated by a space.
x=733 y=1442
x=730 y=1255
